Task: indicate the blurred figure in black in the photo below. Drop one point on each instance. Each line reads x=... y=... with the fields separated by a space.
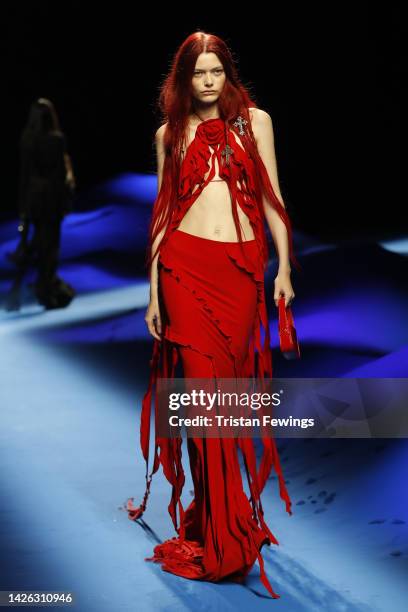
x=46 y=190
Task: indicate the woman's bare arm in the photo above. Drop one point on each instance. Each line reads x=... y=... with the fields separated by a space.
x=69 y=172
x=263 y=131
x=160 y=163
x=152 y=317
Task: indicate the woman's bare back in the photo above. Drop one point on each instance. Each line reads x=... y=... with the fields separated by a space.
x=210 y=216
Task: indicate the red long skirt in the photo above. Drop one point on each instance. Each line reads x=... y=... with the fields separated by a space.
x=212 y=305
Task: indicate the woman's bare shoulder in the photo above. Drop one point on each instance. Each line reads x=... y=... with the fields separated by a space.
x=160 y=132
x=260 y=121
x=258 y=115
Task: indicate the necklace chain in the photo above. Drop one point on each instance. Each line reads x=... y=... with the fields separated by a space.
x=204 y=119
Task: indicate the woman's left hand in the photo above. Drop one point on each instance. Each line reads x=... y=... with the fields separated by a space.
x=283 y=286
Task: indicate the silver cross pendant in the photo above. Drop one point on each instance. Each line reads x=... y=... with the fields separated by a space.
x=227 y=153
x=239 y=123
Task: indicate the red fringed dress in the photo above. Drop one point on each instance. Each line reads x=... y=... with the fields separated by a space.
x=212 y=305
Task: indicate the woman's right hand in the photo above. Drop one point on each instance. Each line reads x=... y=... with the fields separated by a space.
x=153 y=319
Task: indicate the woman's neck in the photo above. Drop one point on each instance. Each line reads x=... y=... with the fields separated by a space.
x=205 y=112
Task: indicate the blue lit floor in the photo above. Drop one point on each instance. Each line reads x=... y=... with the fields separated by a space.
x=71 y=387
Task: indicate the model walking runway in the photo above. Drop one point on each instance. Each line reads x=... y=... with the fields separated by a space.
x=208 y=253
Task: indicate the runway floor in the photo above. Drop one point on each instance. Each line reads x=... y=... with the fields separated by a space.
x=70 y=397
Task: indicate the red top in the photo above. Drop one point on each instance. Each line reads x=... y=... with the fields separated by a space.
x=199 y=159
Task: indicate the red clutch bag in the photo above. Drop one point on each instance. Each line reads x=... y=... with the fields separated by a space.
x=289 y=344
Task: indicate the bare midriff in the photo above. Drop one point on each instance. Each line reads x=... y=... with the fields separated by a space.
x=210 y=216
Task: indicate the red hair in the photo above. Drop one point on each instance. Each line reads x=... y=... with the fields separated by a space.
x=175 y=103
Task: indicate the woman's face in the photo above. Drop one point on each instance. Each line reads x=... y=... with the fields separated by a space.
x=208 y=76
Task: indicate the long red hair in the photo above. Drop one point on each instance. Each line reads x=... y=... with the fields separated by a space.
x=176 y=104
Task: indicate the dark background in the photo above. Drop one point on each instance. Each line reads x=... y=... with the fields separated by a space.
x=331 y=78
